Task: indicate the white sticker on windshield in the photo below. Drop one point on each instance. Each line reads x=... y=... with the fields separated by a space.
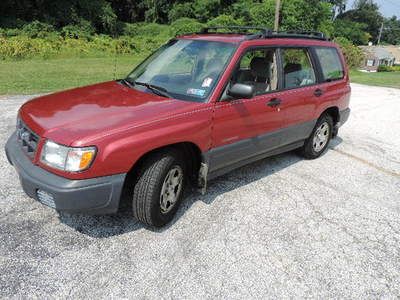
x=196 y=92
x=207 y=82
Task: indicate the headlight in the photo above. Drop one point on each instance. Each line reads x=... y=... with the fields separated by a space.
x=64 y=158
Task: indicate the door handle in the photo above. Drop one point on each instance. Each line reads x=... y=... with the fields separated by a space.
x=318 y=92
x=274 y=102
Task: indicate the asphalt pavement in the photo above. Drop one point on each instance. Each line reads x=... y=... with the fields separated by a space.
x=283 y=227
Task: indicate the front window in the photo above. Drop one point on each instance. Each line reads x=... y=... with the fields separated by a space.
x=183 y=69
x=258 y=68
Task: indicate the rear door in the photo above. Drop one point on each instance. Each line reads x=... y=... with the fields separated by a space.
x=300 y=92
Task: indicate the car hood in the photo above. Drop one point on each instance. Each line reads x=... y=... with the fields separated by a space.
x=83 y=114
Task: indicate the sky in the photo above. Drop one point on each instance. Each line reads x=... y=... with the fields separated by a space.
x=387 y=7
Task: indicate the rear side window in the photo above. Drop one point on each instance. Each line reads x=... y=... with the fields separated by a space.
x=297 y=68
x=331 y=65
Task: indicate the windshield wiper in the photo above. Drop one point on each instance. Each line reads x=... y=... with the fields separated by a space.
x=127 y=82
x=155 y=89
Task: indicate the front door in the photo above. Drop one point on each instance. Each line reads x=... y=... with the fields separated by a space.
x=244 y=128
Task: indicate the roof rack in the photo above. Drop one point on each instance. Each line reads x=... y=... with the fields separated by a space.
x=302 y=34
x=265 y=33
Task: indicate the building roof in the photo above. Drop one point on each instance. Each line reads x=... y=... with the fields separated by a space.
x=379 y=52
x=395 y=51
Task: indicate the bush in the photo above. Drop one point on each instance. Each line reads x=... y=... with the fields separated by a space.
x=145 y=29
x=21 y=47
x=185 y=25
x=353 y=55
x=83 y=30
x=25 y=47
x=9 y=32
x=389 y=69
x=130 y=29
x=151 y=29
x=37 y=29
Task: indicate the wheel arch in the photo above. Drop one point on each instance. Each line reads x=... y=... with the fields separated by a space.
x=191 y=151
x=332 y=111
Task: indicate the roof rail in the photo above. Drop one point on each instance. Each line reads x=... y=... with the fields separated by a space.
x=265 y=33
x=303 y=34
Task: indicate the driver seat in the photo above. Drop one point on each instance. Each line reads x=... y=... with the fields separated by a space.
x=260 y=69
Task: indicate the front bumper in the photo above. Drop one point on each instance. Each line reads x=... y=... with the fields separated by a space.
x=99 y=195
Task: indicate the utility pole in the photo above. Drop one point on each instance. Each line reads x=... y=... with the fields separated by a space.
x=277 y=10
x=380 y=34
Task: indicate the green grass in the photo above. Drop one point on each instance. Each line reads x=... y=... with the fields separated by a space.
x=387 y=79
x=41 y=76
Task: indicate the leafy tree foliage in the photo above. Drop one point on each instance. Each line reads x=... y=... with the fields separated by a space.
x=353 y=31
x=391 y=32
x=366 y=12
x=352 y=54
x=84 y=18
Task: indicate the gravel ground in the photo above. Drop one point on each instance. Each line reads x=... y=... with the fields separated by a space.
x=282 y=227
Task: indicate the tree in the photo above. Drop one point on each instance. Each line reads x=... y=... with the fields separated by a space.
x=366 y=12
x=181 y=10
x=205 y=10
x=312 y=15
x=391 y=31
x=338 y=6
x=353 y=31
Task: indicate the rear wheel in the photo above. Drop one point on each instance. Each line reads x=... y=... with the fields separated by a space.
x=158 y=188
x=319 y=139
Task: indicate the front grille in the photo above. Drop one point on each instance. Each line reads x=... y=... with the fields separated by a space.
x=27 y=138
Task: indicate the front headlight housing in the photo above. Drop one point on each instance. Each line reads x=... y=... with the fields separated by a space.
x=70 y=159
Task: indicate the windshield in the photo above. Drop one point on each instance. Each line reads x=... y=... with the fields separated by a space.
x=183 y=69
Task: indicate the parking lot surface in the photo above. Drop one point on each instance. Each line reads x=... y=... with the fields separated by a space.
x=281 y=227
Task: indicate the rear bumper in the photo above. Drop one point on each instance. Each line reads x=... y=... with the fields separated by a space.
x=95 y=196
x=344 y=116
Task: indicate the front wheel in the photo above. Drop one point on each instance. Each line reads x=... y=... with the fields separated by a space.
x=158 y=188
x=319 y=139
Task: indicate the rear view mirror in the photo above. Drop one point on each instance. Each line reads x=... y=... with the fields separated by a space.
x=239 y=90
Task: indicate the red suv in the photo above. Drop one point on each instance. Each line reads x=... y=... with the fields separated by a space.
x=198 y=107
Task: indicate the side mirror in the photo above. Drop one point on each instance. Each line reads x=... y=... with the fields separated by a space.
x=239 y=90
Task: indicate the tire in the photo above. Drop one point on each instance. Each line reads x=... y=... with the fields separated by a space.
x=319 y=139
x=147 y=204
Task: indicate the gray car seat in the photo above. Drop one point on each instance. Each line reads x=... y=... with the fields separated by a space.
x=260 y=71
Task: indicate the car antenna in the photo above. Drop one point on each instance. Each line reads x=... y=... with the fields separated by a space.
x=115 y=54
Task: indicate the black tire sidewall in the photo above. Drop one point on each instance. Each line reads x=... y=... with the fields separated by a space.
x=159 y=218
x=309 y=147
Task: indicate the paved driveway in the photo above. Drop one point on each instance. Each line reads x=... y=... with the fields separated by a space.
x=282 y=227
